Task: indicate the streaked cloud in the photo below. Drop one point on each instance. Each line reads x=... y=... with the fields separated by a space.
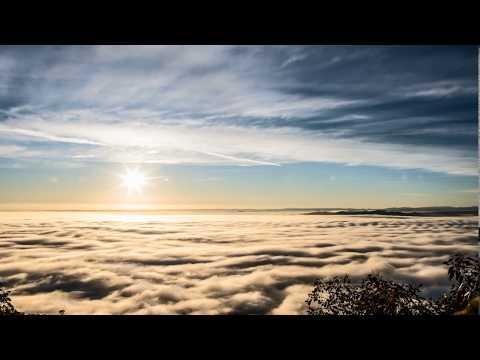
x=400 y=107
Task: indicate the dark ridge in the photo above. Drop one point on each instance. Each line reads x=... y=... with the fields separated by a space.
x=426 y=212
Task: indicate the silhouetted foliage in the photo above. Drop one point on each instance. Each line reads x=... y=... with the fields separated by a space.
x=6 y=306
x=377 y=296
x=464 y=272
x=373 y=296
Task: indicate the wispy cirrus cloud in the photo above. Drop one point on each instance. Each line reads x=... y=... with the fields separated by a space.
x=440 y=89
x=293 y=59
x=150 y=142
x=243 y=104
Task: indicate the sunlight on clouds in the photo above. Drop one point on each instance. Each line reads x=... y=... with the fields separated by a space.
x=237 y=144
x=235 y=105
x=147 y=263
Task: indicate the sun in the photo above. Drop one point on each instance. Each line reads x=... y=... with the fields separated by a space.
x=134 y=180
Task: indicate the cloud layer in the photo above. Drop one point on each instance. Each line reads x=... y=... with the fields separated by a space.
x=104 y=263
x=401 y=107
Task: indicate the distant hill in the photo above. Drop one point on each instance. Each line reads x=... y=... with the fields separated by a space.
x=405 y=211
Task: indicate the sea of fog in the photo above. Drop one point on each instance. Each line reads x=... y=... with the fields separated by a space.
x=212 y=262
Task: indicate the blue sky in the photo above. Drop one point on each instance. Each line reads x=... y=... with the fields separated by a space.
x=240 y=126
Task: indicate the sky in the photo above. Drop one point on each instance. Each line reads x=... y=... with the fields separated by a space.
x=239 y=126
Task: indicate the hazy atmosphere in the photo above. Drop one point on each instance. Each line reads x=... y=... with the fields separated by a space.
x=178 y=179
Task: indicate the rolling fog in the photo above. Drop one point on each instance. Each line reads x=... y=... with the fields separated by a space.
x=114 y=263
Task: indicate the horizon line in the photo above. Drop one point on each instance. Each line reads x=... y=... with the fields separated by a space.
x=239 y=209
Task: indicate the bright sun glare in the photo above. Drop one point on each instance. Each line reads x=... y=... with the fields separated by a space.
x=133 y=180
